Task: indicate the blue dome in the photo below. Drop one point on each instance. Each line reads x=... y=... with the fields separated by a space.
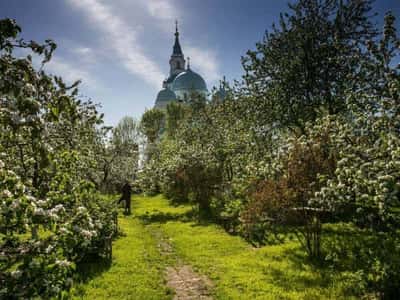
x=164 y=97
x=189 y=80
x=171 y=78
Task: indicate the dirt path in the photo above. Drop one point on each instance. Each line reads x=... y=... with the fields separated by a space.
x=186 y=283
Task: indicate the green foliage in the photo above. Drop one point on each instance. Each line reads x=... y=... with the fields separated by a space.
x=285 y=200
x=174 y=115
x=151 y=124
x=51 y=215
x=365 y=188
x=352 y=248
x=311 y=136
x=306 y=64
x=119 y=155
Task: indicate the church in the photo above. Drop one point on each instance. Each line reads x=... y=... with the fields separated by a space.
x=182 y=80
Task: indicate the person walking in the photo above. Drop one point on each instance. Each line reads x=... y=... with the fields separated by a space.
x=126 y=196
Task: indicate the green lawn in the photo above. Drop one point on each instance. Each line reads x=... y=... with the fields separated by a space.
x=237 y=270
x=135 y=273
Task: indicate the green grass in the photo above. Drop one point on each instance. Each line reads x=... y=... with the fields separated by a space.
x=237 y=270
x=135 y=273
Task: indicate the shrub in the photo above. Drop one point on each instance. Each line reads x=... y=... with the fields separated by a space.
x=43 y=239
x=51 y=215
x=286 y=200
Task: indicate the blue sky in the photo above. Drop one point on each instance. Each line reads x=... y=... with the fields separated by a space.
x=120 y=48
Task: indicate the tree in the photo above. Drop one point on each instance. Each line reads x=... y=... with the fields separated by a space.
x=125 y=150
x=117 y=152
x=175 y=114
x=126 y=133
x=46 y=148
x=305 y=66
x=382 y=74
x=152 y=124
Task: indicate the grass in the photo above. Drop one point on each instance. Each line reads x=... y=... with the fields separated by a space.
x=135 y=273
x=237 y=270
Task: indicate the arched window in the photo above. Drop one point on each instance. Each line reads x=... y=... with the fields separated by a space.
x=178 y=65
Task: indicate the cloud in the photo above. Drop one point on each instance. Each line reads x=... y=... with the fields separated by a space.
x=122 y=40
x=161 y=9
x=85 y=55
x=63 y=65
x=83 y=50
x=205 y=62
x=164 y=11
x=69 y=72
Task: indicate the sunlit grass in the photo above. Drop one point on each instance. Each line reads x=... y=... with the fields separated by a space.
x=135 y=273
x=237 y=270
x=142 y=205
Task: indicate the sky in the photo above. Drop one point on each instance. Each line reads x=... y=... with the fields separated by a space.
x=120 y=48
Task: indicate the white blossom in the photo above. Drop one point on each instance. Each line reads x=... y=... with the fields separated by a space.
x=82 y=209
x=49 y=249
x=15 y=204
x=39 y=212
x=7 y=194
x=41 y=203
x=63 y=263
x=16 y=273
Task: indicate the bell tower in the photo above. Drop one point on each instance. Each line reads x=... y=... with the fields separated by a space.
x=177 y=61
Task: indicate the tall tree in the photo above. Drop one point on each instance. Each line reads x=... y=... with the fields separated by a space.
x=305 y=65
x=118 y=154
x=152 y=124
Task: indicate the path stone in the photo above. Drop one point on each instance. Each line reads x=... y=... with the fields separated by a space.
x=187 y=284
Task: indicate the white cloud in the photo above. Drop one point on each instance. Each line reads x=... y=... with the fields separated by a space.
x=69 y=72
x=161 y=9
x=165 y=12
x=85 y=55
x=203 y=59
x=205 y=62
x=61 y=66
x=83 y=50
x=122 y=40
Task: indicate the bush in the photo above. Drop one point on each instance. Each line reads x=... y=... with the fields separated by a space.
x=51 y=215
x=42 y=240
x=286 y=200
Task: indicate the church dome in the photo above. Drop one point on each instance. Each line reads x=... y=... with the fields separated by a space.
x=164 y=97
x=182 y=82
x=189 y=81
x=171 y=78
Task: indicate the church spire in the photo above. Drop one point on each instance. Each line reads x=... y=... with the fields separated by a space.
x=177 y=47
x=177 y=61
